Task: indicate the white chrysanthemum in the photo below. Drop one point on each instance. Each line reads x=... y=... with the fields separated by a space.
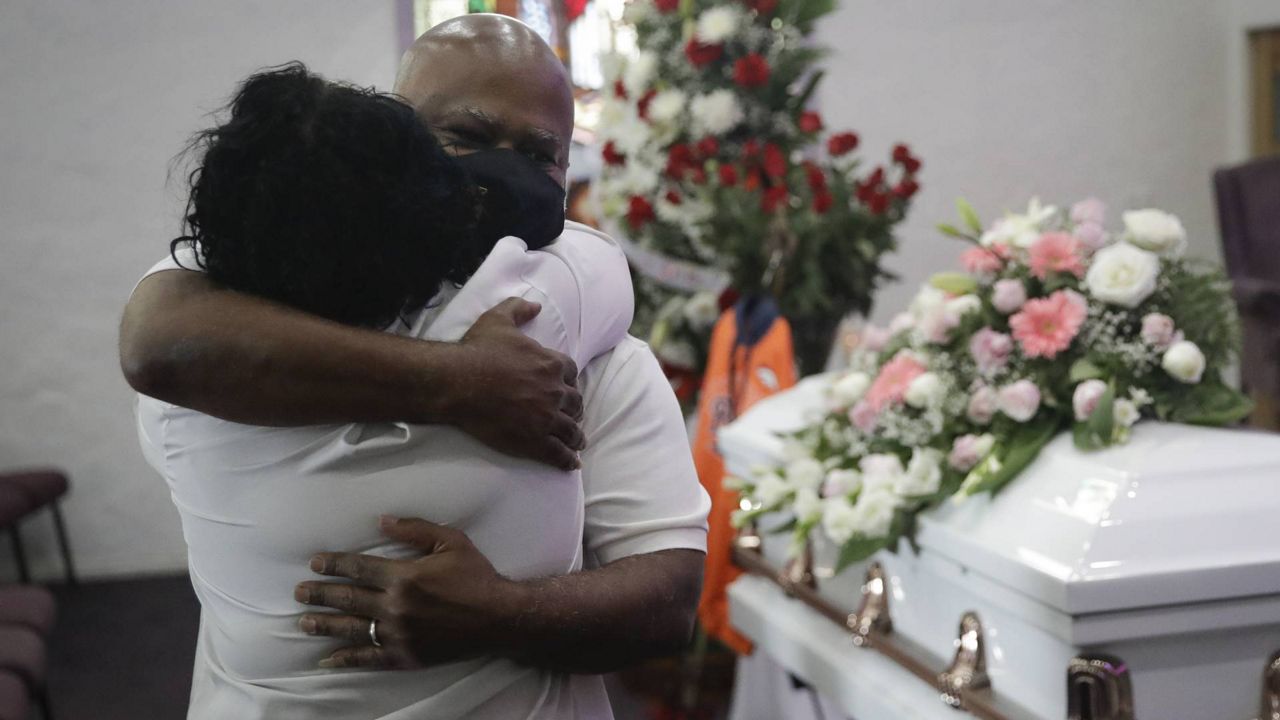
x=805 y=473
x=880 y=471
x=923 y=475
x=839 y=520
x=1155 y=230
x=715 y=113
x=1122 y=275
x=872 y=515
x=718 y=24
x=772 y=490
x=666 y=106
x=807 y=506
x=639 y=72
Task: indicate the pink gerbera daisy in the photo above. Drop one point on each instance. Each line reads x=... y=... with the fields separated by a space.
x=1055 y=252
x=1046 y=326
x=890 y=386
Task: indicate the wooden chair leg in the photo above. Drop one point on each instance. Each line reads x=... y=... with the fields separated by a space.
x=19 y=554
x=63 y=544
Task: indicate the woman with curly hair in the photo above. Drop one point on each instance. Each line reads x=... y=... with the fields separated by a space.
x=339 y=201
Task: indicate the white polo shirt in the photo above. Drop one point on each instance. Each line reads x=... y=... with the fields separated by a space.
x=257 y=502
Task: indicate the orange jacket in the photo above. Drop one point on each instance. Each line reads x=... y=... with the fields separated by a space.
x=750 y=357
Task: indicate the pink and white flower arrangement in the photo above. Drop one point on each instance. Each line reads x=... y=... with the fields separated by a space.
x=1054 y=325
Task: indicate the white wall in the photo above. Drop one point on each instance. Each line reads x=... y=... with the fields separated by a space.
x=97 y=99
x=1004 y=99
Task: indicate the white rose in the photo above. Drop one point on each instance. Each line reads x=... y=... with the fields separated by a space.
x=666 y=106
x=718 y=24
x=873 y=513
x=702 y=310
x=1155 y=230
x=923 y=475
x=805 y=473
x=639 y=72
x=1184 y=361
x=849 y=389
x=715 y=113
x=1124 y=413
x=925 y=391
x=839 y=521
x=771 y=491
x=807 y=506
x=1122 y=275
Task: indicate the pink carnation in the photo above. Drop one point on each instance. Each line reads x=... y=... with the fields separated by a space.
x=981 y=261
x=1091 y=236
x=1008 y=295
x=990 y=350
x=1055 y=252
x=1046 y=326
x=890 y=386
x=1158 y=331
x=864 y=416
x=1089 y=210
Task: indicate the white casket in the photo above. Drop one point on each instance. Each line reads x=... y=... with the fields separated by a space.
x=1158 y=559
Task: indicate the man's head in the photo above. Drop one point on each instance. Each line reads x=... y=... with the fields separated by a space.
x=489 y=81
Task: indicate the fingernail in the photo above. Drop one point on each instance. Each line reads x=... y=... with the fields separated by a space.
x=302 y=594
x=386 y=521
x=317 y=564
x=308 y=625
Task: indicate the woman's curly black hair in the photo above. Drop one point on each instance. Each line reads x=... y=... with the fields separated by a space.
x=330 y=198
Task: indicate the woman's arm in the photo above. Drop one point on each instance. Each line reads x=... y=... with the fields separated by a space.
x=188 y=341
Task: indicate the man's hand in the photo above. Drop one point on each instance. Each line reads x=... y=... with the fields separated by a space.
x=451 y=604
x=447 y=605
x=515 y=395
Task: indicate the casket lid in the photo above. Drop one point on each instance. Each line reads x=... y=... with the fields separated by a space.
x=1179 y=514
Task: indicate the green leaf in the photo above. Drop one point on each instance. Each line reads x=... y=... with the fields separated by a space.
x=1211 y=403
x=1083 y=369
x=1016 y=453
x=857 y=550
x=956 y=283
x=969 y=215
x=953 y=231
x=1095 y=431
x=800 y=99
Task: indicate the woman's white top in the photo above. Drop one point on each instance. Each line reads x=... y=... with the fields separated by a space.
x=256 y=503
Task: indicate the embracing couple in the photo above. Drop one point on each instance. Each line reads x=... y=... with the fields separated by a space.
x=393 y=396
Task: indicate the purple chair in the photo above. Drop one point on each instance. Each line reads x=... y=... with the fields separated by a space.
x=22 y=653
x=42 y=488
x=15 y=702
x=28 y=606
x=1248 y=199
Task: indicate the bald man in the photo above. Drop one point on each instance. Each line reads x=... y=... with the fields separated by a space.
x=480 y=82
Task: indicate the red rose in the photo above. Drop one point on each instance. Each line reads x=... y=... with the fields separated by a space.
x=708 y=147
x=901 y=153
x=639 y=212
x=878 y=203
x=701 y=54
x=612 y=156
x=822 y=202
x=699 y=175
x=911 y=165
x=679 y=160
x=906 y=188
x=810 y=122
x=775 y=165
x=751 y=147
x=619 y=90
x=817 y=179
x=842 y=143
x=764 y=7
x=642 y=105
x=673 y=197
x=751 y=70
x=773 y=198
x=728 y=175
x=666 y=6
x=876 y=178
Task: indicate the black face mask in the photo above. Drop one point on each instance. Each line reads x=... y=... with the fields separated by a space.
x=517 y=197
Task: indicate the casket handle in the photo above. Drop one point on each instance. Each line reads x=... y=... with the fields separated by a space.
x=968 y=670
x=872 y=616
x=748 y=538
x=1271 y=689
x=798 y=571
x=1098 y=688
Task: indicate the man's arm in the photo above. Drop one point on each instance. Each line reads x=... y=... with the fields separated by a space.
x=188 y=341
x=452 y=604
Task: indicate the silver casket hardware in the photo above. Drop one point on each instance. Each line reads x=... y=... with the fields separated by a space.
x=748 y=538
x=968 y=670
x=799 y=571
x=1098 y=688
x=1271 y=689
x=872 y=615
